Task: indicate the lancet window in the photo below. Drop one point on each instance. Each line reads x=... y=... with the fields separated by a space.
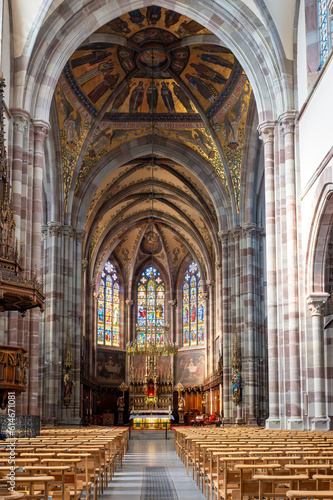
x=150 y=306
x=108 y=307
x=325 y=30
x=193 y=307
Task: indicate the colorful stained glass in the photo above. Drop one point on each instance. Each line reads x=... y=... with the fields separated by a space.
x=115 y=335
x=186 y=305
x=108 y=308
x=323 y=30
x=193 y=307
x=150 y=299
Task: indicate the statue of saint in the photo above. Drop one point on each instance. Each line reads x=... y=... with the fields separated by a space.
x=68 y=384
x=236 y=387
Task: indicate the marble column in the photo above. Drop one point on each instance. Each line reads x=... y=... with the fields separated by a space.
x=206 y=299
x=316 y=303
x=266 y=131
x=224 y=238
x=287 y=122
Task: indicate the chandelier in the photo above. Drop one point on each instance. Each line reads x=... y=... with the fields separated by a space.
x=152 y=338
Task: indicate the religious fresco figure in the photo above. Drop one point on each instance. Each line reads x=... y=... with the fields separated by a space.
x=119 y=25
x=136 y=98
x=201 y=87
x=152 y=97
x=189 y=28
x=110 y=81
x=104 y=68
x=103 y=139
x=207 y=73
x=96 y=56
x=166 y=95
x=136 y=17
x=171 y=18
x=122 y=96
x=218 y=60
x=153 y=15
x=182 y=97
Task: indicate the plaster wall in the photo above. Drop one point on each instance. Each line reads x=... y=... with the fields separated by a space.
x=302 y=84
x=315 y=134
x=5 y=49
x=24 y=15
x=283 y=13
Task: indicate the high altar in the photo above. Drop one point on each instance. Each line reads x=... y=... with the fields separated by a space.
x=151 y=394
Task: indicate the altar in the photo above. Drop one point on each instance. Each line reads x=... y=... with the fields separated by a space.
x=151 y=419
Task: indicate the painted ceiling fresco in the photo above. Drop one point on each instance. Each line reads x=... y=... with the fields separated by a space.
x=145 y=73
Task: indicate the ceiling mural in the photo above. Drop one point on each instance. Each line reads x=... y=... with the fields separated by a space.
x=143 y=70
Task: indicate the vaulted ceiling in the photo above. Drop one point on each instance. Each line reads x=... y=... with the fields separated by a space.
x=153 y=76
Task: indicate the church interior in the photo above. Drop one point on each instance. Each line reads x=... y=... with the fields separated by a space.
x=166 y=233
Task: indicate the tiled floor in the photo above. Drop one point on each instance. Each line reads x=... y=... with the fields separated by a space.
x=150 y=449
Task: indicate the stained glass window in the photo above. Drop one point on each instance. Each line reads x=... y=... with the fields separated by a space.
x=193 y=307
x=325 y=30
x=108 y=308
x=151 y=297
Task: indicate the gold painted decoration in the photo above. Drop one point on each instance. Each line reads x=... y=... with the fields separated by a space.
x=110 y=90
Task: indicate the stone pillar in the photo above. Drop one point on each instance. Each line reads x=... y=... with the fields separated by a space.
x=266 y=130
x=226 y=346
x=250 y=229
x=210 y=339
x=51 y=348
x=85 y=306
x=287 y=121
x=173 y=306
x=129 y=304
x=321 y=421
x=206 y=299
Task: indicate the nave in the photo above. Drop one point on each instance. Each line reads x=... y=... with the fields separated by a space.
x=168 y=482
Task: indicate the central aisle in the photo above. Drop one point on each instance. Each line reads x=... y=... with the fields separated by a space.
x=152 y=471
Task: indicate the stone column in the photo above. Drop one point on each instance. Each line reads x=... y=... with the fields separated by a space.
x=173 y=306
x=129 y=304
x=321 y=421
x=226 y=346
x=52 y=325
x=85 y=263
x=206 y=299
x=210 y=285
x=266 y=130
x=250 y=229
x=287 y=121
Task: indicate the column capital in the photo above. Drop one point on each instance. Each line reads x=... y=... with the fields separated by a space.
x=44 y=231
x=266 y=131
x=68 y=231
x=173 y=303
x=129 y=302
x=54 y=228
x=41 y=128
x=316 y=302
x=287 y=122
x=235 y=232
x=20 y=122
x=249 y=228
x=85 y=263
x=218 y=265
x=80 y=235
x=223 y=235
